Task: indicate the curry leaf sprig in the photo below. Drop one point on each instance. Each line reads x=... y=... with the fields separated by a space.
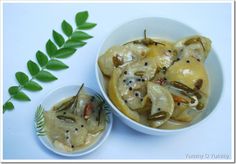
x=62 y=46
x=40 y=121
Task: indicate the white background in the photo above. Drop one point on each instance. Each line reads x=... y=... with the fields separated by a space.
x=27 y=27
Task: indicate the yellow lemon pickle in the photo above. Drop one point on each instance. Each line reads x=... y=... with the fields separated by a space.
x=157 y=82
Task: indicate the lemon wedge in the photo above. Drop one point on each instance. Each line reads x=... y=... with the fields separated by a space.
x=162 y=104
x=188 y=71
x=117 y=56
x=195 y=46
x=116 y=97
x=164 y=54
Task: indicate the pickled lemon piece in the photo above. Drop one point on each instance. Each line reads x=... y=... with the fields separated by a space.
x=188 y=71
x=164 y=54
x=180 y=113
x=61 y=146
x=120 y=55
x=162 y=104
x=195 y=46
x=133 y=80
x=116 y=97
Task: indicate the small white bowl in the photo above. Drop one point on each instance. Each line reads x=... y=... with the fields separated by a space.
x=56 y=96
x=170 y=30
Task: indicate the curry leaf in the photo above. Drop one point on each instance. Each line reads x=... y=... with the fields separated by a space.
x=51 y=48
x=86 y=26
x=56 y=65
x=45 y=76
x=32 y=67
x=21 y=96
x=74 y=44
x=79 y=35
x=65 y=52
x=13 y=90
x=21 y=77
x=32 y=86
x=41 y=58
x=8 y=106
x=81 y=17
x=66 y=28
x=58 y=38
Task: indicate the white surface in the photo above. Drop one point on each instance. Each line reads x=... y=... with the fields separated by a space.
x=28 y=27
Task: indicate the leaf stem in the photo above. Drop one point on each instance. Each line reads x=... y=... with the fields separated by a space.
x=20 y=87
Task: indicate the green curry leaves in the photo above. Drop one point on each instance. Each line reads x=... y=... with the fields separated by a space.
x=81 y=18
x=32 y=86
x=58 y=38
x=41 y=58
x=66 y=28
x=87 y=26
x=8 y=106
x=56 y=65
x=22 y=78
x=59 y=47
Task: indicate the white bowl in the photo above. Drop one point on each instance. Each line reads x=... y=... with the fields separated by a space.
x=56 y=96
x=171 y=30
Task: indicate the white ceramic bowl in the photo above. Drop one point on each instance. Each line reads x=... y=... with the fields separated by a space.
x=56 y=96
x=171 y=30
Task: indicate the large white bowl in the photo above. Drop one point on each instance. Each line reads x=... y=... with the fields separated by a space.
x=171 y=30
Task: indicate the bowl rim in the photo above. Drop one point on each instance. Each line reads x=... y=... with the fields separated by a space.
x=127 y=119
x=103 y=136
